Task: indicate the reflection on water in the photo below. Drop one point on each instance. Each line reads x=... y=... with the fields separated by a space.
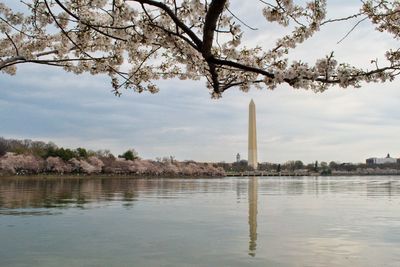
x=30 y=212
x=63 y=193
x=74 y=192
x=243 y=221
x=253 y=198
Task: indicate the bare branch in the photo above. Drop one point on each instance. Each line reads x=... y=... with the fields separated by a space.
x=351 y=30
x=244 y=23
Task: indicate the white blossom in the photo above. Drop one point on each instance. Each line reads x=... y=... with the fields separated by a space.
x=137 y=42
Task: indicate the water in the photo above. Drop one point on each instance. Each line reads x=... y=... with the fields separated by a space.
x=277 y=221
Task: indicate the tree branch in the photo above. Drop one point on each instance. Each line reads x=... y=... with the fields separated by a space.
x=175 y=19
x=214 y=11
x=87 y=24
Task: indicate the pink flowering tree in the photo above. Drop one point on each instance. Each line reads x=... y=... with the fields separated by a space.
x=96 y=163
x=119 y=166
x=21 y=164
x=137 y=42
x=91 y=165
x=56 y=164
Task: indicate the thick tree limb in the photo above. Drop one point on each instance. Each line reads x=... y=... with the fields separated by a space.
x=214 y=11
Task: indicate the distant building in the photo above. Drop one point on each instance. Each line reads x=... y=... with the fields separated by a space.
x=237 y=157
x=388 y=159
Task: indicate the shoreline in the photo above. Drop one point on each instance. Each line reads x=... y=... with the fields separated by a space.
x=137 y=176
x=52 y=176
x=307 y=174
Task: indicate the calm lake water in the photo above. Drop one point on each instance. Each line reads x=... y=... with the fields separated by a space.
x=256 y=221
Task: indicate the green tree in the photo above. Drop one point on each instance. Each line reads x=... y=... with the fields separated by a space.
x=51 y=152
x=298 y=164
x=316 y=166
x=240 y=166
x=333 y=165
x=3 y=148
x=130 y=154
x=325 y=170
x=81 y=152
x=65 y=154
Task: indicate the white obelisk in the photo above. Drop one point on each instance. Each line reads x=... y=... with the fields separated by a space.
x=252 y=156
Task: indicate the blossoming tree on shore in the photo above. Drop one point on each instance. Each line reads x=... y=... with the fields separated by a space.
x=137 y=42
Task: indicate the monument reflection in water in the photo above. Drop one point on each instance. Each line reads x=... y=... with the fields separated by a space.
x=301 y=221
x=15 y=194
x=253 y=198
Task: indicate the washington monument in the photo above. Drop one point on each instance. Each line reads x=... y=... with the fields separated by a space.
x=252 y=156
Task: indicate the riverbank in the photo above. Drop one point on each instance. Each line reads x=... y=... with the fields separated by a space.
x=134 y=177
x=294 y=174
x=54 y=176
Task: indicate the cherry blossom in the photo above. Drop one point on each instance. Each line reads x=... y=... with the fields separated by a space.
x=139 y=42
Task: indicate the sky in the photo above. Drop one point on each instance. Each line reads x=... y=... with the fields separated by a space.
x=345 y=125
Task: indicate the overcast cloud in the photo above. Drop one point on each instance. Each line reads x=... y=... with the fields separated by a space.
x=43 y=103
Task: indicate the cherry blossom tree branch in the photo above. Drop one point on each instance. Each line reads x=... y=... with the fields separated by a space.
x=176 y=20
x=214 y=11
x=138 y=42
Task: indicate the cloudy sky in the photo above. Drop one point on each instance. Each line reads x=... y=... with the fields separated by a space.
x=43 y=103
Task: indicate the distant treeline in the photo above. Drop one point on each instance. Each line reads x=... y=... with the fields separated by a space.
x=323 y=168
x=45 y=150
x=36 y=157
